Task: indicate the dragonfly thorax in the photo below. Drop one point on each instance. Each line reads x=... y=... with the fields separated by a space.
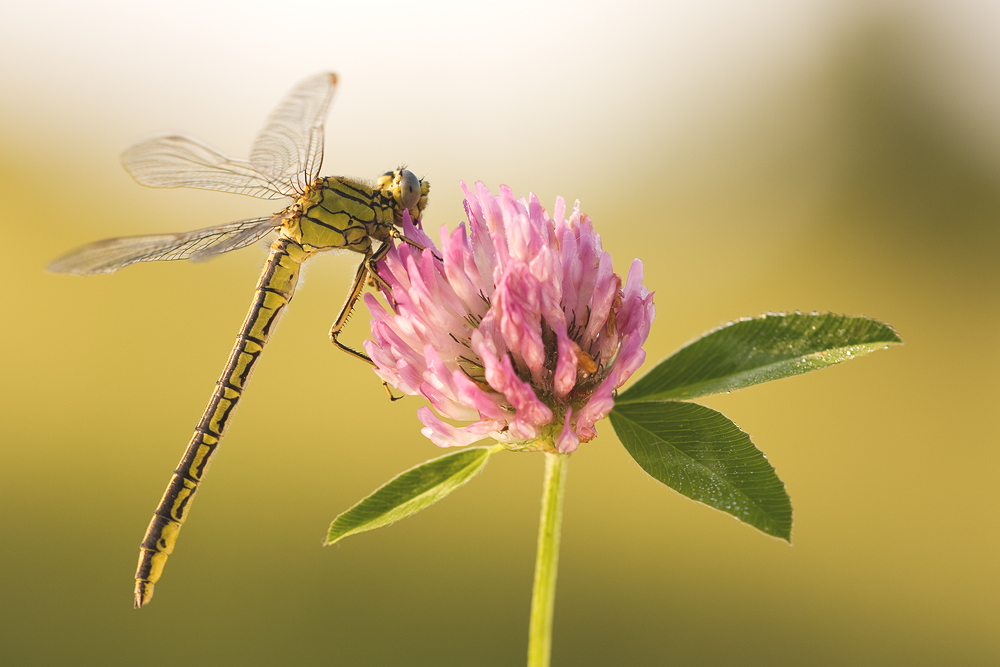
x=339 y=212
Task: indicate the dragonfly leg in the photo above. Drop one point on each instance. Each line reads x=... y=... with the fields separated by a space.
x=366 y=270
x=394 y=233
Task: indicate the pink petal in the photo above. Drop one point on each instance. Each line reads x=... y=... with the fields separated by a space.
x=488 y=404
x=415 y=234
x=566 y=365
x=567 y=441
x=442 y=433
x=501 y=377
x=457 y=264
x=559 y=212
x=516 y=300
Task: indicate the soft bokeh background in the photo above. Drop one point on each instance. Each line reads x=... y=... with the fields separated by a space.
x=769 y=155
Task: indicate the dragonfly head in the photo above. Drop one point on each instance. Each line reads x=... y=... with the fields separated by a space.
x=406 y=189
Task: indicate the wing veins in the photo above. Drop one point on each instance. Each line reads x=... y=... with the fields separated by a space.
x=109 y=255
x=179 y=161
x=289 y=148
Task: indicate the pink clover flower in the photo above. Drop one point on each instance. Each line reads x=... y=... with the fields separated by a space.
x=520 y=332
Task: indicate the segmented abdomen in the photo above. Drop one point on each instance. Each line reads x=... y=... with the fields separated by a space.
x=274 y=291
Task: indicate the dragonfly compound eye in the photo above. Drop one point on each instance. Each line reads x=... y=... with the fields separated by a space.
x=409 y=188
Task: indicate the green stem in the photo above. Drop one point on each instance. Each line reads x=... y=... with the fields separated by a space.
x=543 y=595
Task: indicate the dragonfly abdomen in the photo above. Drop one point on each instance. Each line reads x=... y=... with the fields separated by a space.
x=273 y=293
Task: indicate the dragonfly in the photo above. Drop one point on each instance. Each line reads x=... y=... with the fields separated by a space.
x=329 y=213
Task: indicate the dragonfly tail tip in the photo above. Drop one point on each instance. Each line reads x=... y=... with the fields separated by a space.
x=143 y=593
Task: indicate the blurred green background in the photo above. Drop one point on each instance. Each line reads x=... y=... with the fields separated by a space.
x=773 y=155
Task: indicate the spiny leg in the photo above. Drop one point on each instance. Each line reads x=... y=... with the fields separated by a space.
x=366 y=269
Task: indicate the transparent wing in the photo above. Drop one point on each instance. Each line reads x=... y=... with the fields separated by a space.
x=289 y=149
x=110 y=255
x=176 y=161
x=250 y=234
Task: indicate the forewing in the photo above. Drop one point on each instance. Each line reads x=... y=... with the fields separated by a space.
x=177 y=161
x=109 y=255
x=289 y=148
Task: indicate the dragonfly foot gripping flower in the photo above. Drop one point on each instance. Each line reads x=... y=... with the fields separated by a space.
x=521 y=332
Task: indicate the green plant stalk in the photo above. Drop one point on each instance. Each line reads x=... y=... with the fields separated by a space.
x=543 y=595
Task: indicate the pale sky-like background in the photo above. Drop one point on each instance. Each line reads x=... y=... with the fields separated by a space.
x=757 y=156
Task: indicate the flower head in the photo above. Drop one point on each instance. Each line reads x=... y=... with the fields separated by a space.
x=522 y=330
